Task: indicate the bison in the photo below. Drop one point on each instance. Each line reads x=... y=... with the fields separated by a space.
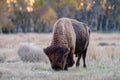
x=69 y=37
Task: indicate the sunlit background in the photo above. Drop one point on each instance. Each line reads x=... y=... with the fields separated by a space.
x=40 y=15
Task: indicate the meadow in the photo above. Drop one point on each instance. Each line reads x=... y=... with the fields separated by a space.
x=103 y=59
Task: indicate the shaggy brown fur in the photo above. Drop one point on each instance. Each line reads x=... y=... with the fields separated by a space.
x=69 y=37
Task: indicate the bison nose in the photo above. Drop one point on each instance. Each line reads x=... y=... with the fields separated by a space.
x=56 y=68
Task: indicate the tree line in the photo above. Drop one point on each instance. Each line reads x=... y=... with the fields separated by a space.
x=40 y=15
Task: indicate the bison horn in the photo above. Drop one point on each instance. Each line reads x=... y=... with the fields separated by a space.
x=68 y=50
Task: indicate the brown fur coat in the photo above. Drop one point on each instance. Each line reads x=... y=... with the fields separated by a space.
x=64 y=33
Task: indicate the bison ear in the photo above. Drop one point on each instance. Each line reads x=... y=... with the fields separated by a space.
x=44 y=49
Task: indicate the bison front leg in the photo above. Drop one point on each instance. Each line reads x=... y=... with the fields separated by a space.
x=70 y=59
x=66 y=67
x=78 y=60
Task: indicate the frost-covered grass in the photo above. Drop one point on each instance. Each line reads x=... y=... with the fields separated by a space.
x=31 y=53
x=103 y=61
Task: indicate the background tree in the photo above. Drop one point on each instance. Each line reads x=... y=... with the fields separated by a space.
x=40 y=15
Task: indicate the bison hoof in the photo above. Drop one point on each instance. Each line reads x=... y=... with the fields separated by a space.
x=84 y=66
x=66 y=68
x=77 y=64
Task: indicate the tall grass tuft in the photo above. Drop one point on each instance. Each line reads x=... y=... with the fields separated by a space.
x=32 y=53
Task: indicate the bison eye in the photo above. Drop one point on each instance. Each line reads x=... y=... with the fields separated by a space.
x=65 y=56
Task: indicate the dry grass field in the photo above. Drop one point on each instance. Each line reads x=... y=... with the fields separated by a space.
x=103 y=59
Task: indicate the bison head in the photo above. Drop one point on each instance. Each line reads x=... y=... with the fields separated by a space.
x=57 y=56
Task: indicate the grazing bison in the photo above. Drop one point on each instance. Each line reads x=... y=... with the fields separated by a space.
x=69 y=37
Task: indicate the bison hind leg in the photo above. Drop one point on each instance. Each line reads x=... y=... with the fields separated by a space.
x=84 y=56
